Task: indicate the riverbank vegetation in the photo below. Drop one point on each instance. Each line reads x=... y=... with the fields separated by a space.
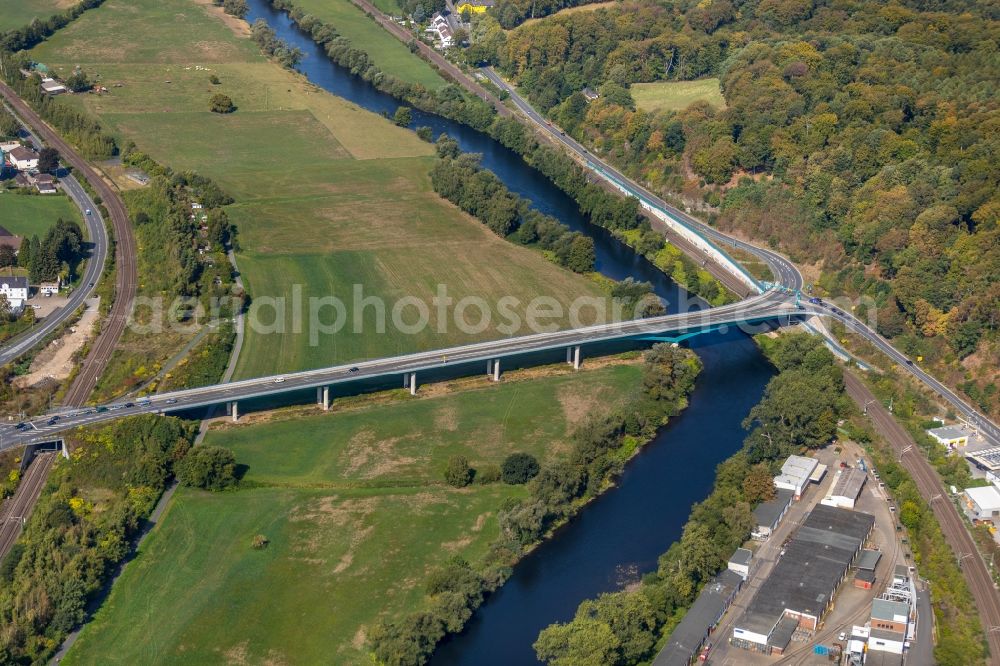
x=358 y=517
x=798 y=412
x=600 y=447
x=883 y=184
x=91 y=509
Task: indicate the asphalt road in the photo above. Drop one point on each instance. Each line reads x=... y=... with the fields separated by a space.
x=931 y=488
x=21 y=343
x=771 y=305
x=785 y=272
x=125 y=251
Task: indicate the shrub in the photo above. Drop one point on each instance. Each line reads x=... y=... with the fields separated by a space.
x=221 y=104
x=489 y=473
x=214 y=80
x=458 y=473
x=519 y=468
x=403 y=116
x=208 y=467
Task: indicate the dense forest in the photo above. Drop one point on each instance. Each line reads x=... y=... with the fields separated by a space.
x=859 y=137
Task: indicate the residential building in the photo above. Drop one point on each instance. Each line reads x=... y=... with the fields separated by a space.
x=15 y=289
x=590 y=94
x=441 y=30
x=796 y=472
x=700 y=620
x=983 y=503
x=23 y=159
x=740 y=562
x=45 y=184
x=10 y=240
x=768 y=515
x=846 y=488
x=50 y=288
x=951 y=436
x=800 y=589
x=7 y=146
x=474 y=6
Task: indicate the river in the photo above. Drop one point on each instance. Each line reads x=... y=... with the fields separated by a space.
x=618 y=537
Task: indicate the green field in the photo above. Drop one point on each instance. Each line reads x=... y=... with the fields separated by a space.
x=390 y=54
x=25 y=215
x=356 y=515
x=327 y=195
x=676 y=95
x=19 y=13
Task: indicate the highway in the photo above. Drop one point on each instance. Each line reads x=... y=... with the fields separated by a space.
x=773 y=305
x=785 y=272
x=125 y=252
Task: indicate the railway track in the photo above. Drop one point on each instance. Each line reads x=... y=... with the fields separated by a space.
x=125 y=253
x=16 y=509
x=984 y=592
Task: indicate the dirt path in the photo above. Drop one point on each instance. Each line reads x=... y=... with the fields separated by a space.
x=56 y=360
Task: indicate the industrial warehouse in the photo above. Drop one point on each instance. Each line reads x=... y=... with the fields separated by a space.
x=800 y=588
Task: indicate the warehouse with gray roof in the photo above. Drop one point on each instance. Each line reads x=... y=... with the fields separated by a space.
x=800 y=589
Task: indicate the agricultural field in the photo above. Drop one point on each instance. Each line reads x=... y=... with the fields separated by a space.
x=357 y=515
x=676 y=95
x=327 y=195
x=390 y=54
x=27 y=215
x=593 y=6
x=19 y=13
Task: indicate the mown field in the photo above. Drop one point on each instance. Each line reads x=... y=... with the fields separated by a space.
x=18 y=13
x=26 y=216
x=676 y=95
x=390 y=54
x=593 y=6
x=327 y=195
x=356 y=514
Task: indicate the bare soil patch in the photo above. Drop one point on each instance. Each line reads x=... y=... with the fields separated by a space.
x=56 y=360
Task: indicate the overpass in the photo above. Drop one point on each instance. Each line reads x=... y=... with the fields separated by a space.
x=772 y=306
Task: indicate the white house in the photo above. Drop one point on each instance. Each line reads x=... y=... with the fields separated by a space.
x=795 y=474
x=15 y=289
x=53 y=87
x=983 y=503
x=49 y=288
x=951 y=436
x=23 y=158
x=739 y=563
x=441 y=29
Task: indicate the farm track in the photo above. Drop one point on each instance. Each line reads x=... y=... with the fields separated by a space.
x=125 y=254
x=933 y=491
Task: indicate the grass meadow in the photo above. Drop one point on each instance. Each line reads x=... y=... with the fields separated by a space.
x=676 y=95
x=327 y=194
x=19 y=13
x=390 y=54
x=27 y=215
x=356 y=513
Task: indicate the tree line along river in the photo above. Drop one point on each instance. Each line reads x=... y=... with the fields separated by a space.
x=618 y=537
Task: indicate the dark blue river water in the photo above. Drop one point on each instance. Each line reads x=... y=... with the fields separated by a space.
x=619 y=536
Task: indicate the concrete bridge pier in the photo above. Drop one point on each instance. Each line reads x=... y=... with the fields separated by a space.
x=496 y=370
x=413 y=383
x=569 y=355
x=576 y=357
x=323 y=397
x=234 y=409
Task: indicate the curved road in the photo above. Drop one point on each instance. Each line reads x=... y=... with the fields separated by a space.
x=125 y=253
x=24 y=341
x=785 y=272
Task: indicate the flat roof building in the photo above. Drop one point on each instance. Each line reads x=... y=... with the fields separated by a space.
x=700 y=620
x=740 y=562
x=795 y=474
x=846 y=488
x=768 y=515
x=983 y=503
x=800 y=588
x=950 y=435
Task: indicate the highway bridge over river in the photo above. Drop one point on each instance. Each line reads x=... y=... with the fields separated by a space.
x=774 y=306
